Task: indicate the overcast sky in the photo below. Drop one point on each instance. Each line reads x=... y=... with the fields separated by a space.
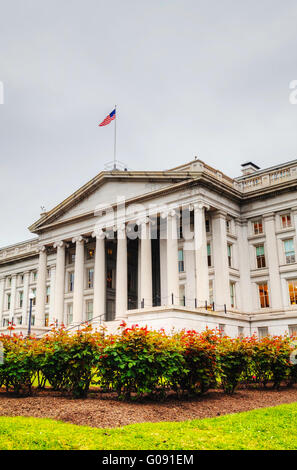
x=190 y=77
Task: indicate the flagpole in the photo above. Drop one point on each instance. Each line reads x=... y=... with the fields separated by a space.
x=115 y=139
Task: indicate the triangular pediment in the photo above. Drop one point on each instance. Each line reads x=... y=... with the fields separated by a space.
x=105 y=189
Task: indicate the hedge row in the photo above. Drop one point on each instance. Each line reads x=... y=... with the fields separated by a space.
x=138 y=361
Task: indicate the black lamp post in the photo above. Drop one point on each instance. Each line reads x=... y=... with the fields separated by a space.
x=31 y=298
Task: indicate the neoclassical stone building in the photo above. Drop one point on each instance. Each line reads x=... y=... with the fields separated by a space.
x=187 y=247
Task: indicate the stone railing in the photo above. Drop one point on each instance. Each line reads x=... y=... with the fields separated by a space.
x=269 y=179
x=252 y=182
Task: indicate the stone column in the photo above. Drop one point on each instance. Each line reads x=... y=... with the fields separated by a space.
x=78 y=294
x=52 y=296
x=275 y=291
x=220 y=256
x=2 y=287
x=26 y=297
x=139 y=273
x=99 y=276
x=294 y=213
x=122 y=275
x=201 y=266
x=58 y=312
x=146 y=282
x=172 y=259
x=41 y=288
x=13 y=296
x=246 y=297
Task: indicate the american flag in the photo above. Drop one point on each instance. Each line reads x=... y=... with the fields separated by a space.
x=108 y=118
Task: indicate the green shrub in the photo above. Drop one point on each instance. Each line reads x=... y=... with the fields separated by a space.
x=233 y=356
x=270 y=360
x=199 y=363
x=18 y=371
x=67 y=361
x=140 y=361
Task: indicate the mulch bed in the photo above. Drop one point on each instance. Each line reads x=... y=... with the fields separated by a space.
x=104 y=410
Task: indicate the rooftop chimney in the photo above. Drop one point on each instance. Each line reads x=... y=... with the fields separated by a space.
x=248 y=168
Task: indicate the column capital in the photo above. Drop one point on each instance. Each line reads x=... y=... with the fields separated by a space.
x=170 y=212
x=144 y=221
x=200 y=205
x=79 y=239
x=40 y=249
x=59 y=244
x=25 y=273
x=98 y=234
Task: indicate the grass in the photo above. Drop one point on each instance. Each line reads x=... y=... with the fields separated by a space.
x=267 y=428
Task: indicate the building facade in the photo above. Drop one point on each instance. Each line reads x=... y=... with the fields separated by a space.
x=187 y=247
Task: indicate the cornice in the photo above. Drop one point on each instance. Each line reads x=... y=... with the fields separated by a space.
x=202 y=179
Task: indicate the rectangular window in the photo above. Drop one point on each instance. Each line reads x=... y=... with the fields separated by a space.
x=258 y=227
x=19 y=320
x=222 y=328
x=293 y=330
x=262 y=332
x=181 y=264
x=21 y=279
x=34 y=299
x=90 y=278
x=289 y=251
x=240 y=331
x=182 y=299
x=210 y=283
x=260 y=255
x=109 y=278
x=71 y=256
x=229 y=249
x=69 y=314
x=292 y=286
x=228 y=225
x=207 y=225
x=21 y=299
x=8 y=301
x=34 y=276
x=89 y=309
x=48 y=294
x=46 y=319
x=208 y=254
x=232 y=294
x=286 y=221
x=90 y=253
x=5 y=321
x=8 y=282
x=263 y=295
x=70 y=281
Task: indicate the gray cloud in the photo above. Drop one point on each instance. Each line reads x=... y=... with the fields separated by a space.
x=190 y=77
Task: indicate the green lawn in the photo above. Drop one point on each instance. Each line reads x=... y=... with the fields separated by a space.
x=268 y=428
